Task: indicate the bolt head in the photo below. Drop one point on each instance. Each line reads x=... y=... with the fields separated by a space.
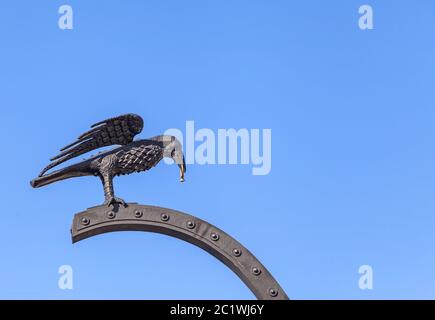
x=273 y=292
x=111 y=214
x=237 y=252
x=190 y=224
x=164 y=217
x=214 y=236
x=138 y=214
x=85 y=221
x=256 y=271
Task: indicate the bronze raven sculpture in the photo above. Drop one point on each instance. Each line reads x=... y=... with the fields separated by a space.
x=131 y=156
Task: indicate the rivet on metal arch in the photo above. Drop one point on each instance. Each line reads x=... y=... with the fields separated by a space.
x=135 y=217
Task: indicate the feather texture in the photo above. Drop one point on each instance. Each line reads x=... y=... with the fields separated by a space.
x=119 y=130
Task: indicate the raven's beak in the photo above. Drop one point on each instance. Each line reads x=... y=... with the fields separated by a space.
x=179 y=159
x=182 y=171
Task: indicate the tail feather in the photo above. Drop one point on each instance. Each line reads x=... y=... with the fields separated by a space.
x=76 y=170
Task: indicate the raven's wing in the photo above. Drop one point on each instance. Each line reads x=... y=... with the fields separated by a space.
x=118 y=130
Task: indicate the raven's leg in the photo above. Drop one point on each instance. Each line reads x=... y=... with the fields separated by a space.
x=109 y=193
x=106 y=168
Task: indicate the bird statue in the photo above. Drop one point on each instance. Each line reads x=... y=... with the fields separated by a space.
x=131 y=156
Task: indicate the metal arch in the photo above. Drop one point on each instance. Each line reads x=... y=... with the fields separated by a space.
x=135 y=217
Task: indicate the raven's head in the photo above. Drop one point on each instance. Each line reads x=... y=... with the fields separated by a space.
x=172 y=149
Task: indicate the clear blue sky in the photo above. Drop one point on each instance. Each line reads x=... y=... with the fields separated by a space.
x=352 y=115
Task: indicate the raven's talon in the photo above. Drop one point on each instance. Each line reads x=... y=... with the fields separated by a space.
x=115 y=200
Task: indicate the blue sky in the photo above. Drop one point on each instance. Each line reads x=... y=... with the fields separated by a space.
x=353 y=133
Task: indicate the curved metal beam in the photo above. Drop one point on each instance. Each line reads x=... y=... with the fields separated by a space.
x=135 y=217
